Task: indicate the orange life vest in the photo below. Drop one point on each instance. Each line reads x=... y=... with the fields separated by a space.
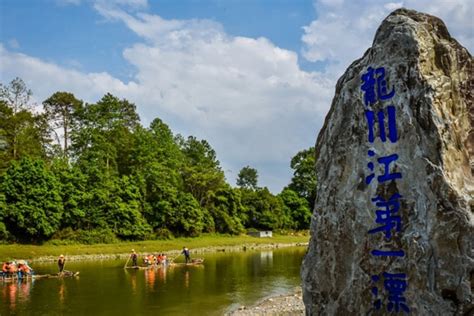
x=12 y=268
x=24 y=268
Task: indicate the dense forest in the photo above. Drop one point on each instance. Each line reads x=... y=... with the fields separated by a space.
x=86 y=173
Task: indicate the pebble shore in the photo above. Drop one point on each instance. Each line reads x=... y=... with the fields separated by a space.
x=283 y=305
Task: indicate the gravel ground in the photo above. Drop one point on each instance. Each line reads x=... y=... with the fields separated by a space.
x=289 y=304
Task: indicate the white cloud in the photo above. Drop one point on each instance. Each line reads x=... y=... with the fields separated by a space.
x=248 y=97
x=45 y=78
x=345 y=29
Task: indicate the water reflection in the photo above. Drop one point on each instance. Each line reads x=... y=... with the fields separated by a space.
x=16 y=292
x=133 y=280
x=162 y=274
x=186 y=279
x=266 y=258
x=62 y=291
x=150 y=278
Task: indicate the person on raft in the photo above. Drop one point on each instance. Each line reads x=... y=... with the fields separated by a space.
x=6 y=269
x=61 y=263
x=185 y=252
x=24 y=269
x=11 y=269
x=134 y=257
x=150 y=260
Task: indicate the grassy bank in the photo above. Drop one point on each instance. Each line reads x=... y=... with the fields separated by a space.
x=18 y=251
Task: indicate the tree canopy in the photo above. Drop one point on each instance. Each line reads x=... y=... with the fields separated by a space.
x=94 y=173
x=247 y=178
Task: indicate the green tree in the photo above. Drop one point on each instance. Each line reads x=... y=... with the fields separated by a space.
x=73 y=188
x=247 y=178
x=22 y=133
x=124 y=210
x=227 y=210
x=4 y=234
x=182 y=214
x=264 y=210
x=202 y=174
x=60 y=109
x=17 y=97
x=303 y=181
x=104 y=134
x=34 y=207
x=297 y=208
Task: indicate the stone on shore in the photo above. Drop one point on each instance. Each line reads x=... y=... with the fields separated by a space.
x=431 y=75
x=283 y=305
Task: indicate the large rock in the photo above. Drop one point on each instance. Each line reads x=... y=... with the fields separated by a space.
x=431 y=75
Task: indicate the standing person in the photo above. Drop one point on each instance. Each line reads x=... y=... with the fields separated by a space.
x=61 y=263
x=134 y=257
x=159 y=258
x=185 y=252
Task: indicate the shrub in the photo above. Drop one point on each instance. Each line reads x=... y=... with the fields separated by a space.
x=163 y=233
x=88 y=237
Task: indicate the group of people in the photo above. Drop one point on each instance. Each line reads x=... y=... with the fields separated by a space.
x=157 y=259
x=18 y=269
x=151 y=259
x=21 y=268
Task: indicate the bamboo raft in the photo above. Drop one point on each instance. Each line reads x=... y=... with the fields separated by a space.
x=142 y=267
x=194 y=262
x=67 y=274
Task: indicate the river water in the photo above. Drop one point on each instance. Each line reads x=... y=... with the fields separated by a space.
x=105 y=288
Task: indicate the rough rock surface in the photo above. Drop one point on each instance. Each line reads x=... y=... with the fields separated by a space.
x=432 y=76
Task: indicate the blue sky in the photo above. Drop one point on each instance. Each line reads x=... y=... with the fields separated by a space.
x=254 y=78
x=73 y=34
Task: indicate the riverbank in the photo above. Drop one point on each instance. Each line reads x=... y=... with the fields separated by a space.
x=290 y=304
x=203 y=244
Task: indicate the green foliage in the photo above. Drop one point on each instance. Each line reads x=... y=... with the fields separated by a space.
x=80 y=236
x=247 y=178
x=124 y=211
x=182 y=215
x=225 y=208
x=264 y=210
x=60 y=109
x=304 y=175
x=103 y=134
x=112 y=179
x=297 y=208
x=73 y=188
x=202 y=174
x=22 y=133
x=163 y=233
x=4 y=234
x=31 y=192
